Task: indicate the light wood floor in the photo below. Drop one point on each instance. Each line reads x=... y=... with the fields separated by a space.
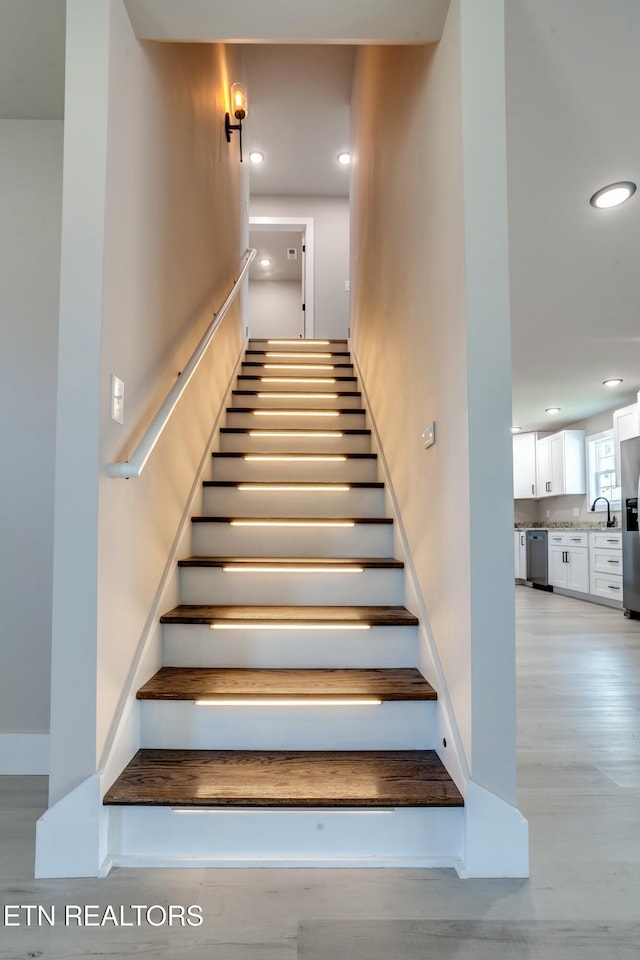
x=579 y=751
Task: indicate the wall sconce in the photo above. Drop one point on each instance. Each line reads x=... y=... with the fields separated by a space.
x=240 y=110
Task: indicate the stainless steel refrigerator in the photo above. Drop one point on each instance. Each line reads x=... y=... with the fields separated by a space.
x=630 y=479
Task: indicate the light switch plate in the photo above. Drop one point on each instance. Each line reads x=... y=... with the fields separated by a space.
x=117 y=399
x=576 y=511
x=429 y=434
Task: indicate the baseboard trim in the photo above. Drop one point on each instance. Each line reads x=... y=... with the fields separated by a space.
x=24 y=754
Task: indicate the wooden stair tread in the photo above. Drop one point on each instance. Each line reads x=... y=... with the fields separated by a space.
x=347 y=432
x=369 y=563
x=195 y=683
x=207 y=614
x=302 y=484
x=312 y=375
x=234 y=454
x=291 y=778
x=328 y=520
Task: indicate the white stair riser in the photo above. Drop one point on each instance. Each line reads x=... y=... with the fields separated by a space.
x=223 y=540
x=181 y=725
x=264 y=368
x=298 y=402
x=231 y=502
x=301 y=345
x=404 y=836
x=331 y=471
x=244 y=443
x=270 y=421
x=211 y=585
x=248 y=383
x=197 y=645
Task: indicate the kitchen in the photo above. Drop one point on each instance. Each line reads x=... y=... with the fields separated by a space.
x=576 y=509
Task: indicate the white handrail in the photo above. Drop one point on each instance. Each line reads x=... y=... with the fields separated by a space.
x=135 y=465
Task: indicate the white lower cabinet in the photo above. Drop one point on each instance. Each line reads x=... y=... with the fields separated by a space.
x=605 y=549
x=569 y=561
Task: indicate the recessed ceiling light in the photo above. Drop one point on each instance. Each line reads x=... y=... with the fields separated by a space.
x=516 y=429
x=614 y=382
x=265 y=262
x=256 y=157
x=344 y=158
x=552 y=410
x=613 y=194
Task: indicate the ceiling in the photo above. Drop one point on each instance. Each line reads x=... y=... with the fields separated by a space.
x=299 y=117
x=274 y=245
x=573 y=75
x=353 y=21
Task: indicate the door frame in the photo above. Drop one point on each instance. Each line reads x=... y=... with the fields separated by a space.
x=305 y=224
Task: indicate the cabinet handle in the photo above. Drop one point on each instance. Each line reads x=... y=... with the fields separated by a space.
x=613 y=561
x=613 y=541
x=565 y=556
x=575 y=539
x=533 y=489
x=612 y=588
x=522 y=540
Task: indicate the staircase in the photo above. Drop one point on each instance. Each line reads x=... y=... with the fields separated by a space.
x=289 y=724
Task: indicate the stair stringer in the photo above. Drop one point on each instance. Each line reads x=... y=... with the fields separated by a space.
x=453 y=756
x=74 y=836
x=494 y=834
x=124 y=738
x=494 y=840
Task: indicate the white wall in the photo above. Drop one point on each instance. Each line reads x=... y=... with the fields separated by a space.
x=275 y=308
x=30 y=212
x=331 y=256
x=431 y=331
x=152 y=217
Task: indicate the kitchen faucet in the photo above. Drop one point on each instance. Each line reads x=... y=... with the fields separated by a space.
x=610 y=522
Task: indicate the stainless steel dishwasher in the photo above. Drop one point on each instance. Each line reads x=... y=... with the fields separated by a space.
x=537 y=555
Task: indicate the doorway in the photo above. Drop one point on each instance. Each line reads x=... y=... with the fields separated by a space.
x=281 y=278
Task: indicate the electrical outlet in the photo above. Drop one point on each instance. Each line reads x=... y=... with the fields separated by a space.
x=576 y=512
x=548 y=513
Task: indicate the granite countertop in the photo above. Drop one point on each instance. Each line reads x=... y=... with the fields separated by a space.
x=567 y=525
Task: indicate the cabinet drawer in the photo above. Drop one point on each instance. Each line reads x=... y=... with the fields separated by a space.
x=606 y=586
x=606 y=540
x=606 y=561
x=577 y=539
x=557 y=538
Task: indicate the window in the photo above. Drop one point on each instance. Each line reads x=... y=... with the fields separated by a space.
x=601 y=457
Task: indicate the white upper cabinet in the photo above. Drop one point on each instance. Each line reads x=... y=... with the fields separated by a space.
x=561 y=464
x=625 y=425
x=524 y=466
